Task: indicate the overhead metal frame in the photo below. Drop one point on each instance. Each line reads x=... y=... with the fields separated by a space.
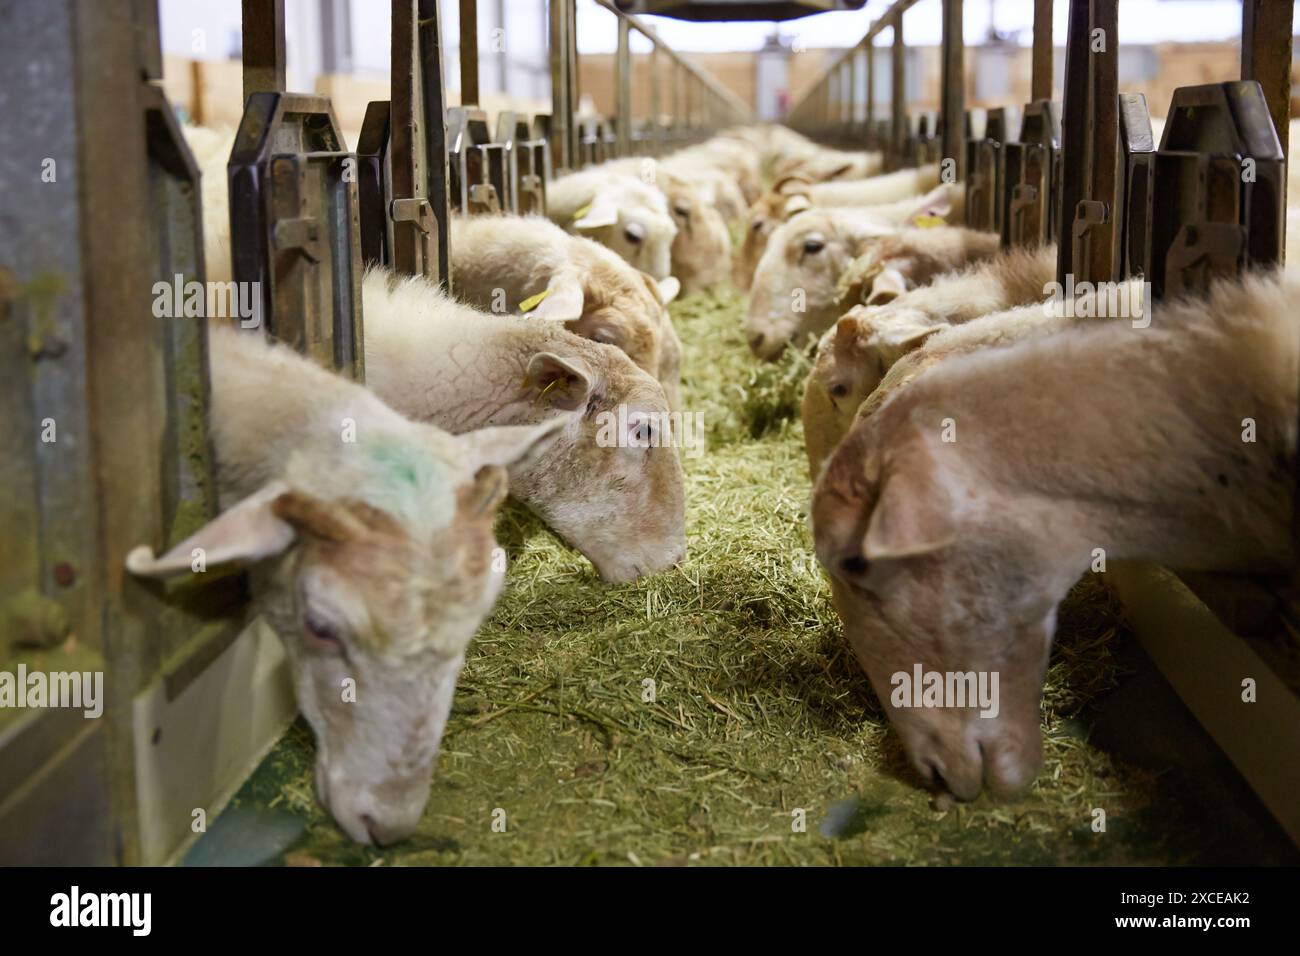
x=828 y=110
x=700 y=104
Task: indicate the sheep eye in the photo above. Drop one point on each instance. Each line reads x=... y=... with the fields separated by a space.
x=813 y=244
x=682 y=210
x=632 y=236
x=758 y=226
x=322 y=631
x=839 y=390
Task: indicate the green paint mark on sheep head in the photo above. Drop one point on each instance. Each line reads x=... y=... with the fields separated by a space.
x=411 y=482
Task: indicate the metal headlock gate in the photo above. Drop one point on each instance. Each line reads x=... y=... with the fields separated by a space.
x=104 y=436
x=1087 y=174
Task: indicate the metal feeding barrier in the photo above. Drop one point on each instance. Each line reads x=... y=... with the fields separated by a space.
x=466 y=168
x=106 y=439
x=1208 y=201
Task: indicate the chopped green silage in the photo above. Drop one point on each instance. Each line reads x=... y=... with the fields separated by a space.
x=758 y=710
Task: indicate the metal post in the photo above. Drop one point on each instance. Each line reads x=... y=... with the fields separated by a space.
x=623 y=77
x=575 y=74
x=677 y=98
x=1089 y=240
x=263 y=39
x=871 y=91
x=953 y=95
x=1266 y=29
x=1041 y=83
x=469 y=52
x=563 y=138
x=419 y=143
x=656 y=129
x=898 y=91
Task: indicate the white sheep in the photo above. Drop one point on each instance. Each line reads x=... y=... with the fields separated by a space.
x=370 y=541
x=822 y=164
x=907 y=197
x=436 y=360
x=955 y=518
x=506 y=264
x=618 y=210
x=805 y=279
x=1002 y=298
x=701 y=250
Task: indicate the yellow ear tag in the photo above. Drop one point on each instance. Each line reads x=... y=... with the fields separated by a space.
x=533 y=301
x=926 y=221
x=582 y=212
x=550 y=385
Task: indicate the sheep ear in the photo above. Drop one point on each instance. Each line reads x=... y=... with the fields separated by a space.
x=599 y=213
x=508 y=445
x=796 y=204
x=790 y=185
x=562 y=301
x=934 y=208
x=563 y=383
x=245 y=533
x=887 y=286
x=915 y=512
x=898 y=333
x=847 y=329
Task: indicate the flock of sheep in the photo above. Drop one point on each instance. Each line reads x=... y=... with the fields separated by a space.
x=975 y=447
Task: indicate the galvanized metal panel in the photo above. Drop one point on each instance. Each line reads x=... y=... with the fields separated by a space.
x=1207 y=220
x=1030 y=196
x=479 y=181
x=295 y=226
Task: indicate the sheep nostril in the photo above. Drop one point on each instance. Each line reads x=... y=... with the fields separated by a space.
x=854 y=564
x=936 y=775
x=756 y=341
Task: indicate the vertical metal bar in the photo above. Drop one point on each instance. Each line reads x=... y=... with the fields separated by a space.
x=1089 y=240
x=855 y=59
x=623 y=77
x=846 y=93
x=433 y=111
x=561 y=114
x=898 y=91
x=952 y=105
x=1266 y=51
x=871 y=91
x=1041 y=83
x=656 y=109
x=575 y=76
x=469 y=53
x=263 y=39
x=677 y=96
x=419 y=143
